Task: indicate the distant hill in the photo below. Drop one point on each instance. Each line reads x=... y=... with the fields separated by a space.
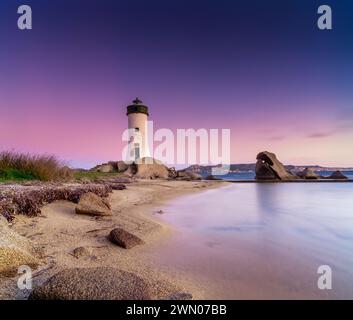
x=250 y=167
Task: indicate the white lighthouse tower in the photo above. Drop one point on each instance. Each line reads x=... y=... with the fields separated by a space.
x=138 y=130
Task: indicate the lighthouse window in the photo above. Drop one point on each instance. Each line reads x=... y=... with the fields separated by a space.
x=137 y=151
x=137 y=129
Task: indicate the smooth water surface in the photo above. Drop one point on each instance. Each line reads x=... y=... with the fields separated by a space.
x=263 y=240
x=251 y=175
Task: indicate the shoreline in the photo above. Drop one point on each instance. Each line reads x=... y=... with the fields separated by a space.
x=58 y=231
x=248 y=241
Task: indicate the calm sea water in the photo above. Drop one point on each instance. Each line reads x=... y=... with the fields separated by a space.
x=251 y=175
x=263 y=240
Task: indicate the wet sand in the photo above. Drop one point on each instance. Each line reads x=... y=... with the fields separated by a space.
x=58 y=231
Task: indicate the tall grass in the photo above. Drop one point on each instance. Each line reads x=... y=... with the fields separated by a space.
x=21 y=166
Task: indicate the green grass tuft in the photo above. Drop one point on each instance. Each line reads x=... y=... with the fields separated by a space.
x=16 y=175
x=94 y=175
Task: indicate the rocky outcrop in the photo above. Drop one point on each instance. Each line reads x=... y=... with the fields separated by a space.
x=102 y=283
x=338 y=175
x=93 y=205
x=148 y=168
x=268 y=167
x=122 y=166
x=106 y=168
x=263 y=171
x=111 y=167
x=124 y=238
x=15 y=251
x=172 y=173
x=188 y=175
x=309 y=174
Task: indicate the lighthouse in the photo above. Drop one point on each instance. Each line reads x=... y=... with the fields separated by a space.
x=137 y=114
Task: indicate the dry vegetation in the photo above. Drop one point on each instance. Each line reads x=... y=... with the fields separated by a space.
x=20 y=195
x=29 y=200
x=19 y=166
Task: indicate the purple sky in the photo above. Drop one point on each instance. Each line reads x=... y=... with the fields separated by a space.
x=263 y=70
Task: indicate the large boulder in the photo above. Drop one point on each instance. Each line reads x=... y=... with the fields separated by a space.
x=268 y=167
x=148 y=168
x=124 y=238
x=101 y=283
x=308 y=173
x=93 y=205
x=15 y=251
x=338 y=175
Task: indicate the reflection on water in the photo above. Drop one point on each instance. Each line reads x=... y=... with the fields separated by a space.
x=264 y=240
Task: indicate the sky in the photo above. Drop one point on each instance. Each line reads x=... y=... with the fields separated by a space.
x=262 y=69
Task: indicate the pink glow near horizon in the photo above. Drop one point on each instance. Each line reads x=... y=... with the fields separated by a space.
x=93 y=135
x=64 y=86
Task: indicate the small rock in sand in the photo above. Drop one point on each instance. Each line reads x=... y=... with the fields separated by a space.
x=118 y=186
x=93 y=205
x=124 y=238
x=102 y=283
x=81 y=252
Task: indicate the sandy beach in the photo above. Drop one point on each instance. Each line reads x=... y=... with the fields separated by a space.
x=57 y=231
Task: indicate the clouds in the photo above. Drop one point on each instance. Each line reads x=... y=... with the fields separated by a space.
x=320 y=134
x=341 y=127
x=282 y=134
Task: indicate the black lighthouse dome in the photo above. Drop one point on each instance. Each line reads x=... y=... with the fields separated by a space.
x=137 y=107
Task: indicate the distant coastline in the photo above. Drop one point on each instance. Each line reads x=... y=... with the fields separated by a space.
x=249 y=168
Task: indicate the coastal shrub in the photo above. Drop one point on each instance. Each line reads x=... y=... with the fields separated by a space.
x=21 y=166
